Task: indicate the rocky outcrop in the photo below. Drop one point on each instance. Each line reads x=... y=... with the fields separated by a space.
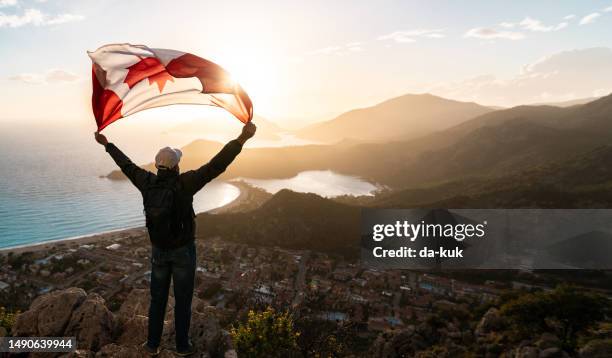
x=92 y=324
x=598 y=348
x=49 y=314
x=100 y=333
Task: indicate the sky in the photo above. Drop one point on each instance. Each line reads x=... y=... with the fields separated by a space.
x=306 y=61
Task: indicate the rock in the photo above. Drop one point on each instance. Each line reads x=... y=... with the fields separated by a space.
x=116 y=351
x=134 y=331
x=527 y=352
x=56 y=308
x=598 y=348
x=137 y=304
x=491 y=321
x=553 y=352
x=92 y=324
x=548 y=340
x=205 y=331
x=79 y=353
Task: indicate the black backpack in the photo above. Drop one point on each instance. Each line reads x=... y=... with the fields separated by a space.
x=164 y=213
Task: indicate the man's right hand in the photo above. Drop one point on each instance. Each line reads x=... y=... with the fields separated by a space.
x=248 y=131
x=101 y=138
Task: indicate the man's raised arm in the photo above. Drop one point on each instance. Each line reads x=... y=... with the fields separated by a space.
x=196 y=179
x=137 y=175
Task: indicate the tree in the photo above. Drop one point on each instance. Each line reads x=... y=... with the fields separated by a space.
x=566 y=308
x=265 y=334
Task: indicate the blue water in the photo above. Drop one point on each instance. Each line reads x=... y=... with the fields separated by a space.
x=323 y=182
x=50 y=187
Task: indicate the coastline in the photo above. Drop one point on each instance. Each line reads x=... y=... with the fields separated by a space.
x=117 y=234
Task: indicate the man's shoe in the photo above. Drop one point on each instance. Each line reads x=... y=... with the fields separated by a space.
x=150 y=351
x=186 y=352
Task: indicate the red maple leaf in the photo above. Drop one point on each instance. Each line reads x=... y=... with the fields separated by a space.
x=151 y=68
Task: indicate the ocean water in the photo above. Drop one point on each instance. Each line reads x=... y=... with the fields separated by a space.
x=323 y=182
x=50 y=184
x=50 y=187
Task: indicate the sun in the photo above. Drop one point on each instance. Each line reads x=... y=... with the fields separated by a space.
x=256 y=71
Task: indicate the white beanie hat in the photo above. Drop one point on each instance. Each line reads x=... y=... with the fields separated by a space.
x=168 y=158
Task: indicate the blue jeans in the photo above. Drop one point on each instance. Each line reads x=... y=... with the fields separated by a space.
x=178 y=265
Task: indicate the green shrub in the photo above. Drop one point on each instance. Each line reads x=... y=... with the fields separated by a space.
x=265 y=334
x=7 y=319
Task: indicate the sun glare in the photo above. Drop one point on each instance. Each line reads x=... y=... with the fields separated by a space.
x=256 y=71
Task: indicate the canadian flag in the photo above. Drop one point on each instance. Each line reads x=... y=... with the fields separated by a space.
x=130 y=78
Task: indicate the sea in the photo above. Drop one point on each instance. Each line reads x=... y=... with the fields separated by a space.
x=52 y=183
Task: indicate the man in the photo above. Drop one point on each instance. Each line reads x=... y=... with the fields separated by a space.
x=168 y=201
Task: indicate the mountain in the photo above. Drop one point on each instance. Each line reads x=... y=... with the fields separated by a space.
x=580 y=181
x=400 y=118
x=590 y=250
x=496 y=144
x=291 y=220
x=570 y=103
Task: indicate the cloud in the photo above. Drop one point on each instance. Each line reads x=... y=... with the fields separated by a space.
x=537 y=26
x=7 y=3
x=534 y=25
x=50 y=77
x=563 y=76
x=410 y=35
x=608 y=9
x=569 y=17
x=36 y=18
x=488 y=33
x=589 y=19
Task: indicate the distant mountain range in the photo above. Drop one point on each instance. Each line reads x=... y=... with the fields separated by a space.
x=572 y=102
x=495 y=144
x=406 y=117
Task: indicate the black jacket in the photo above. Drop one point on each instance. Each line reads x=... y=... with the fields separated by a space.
x=190 y=182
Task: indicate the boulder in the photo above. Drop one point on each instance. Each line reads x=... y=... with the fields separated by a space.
x=134 y=331
x=527 y=352
x=56 y=308
x=598 y=348
x=79 y=353
x=92 y=324
x=548 y=340
x=553 y=352
x=490 y=322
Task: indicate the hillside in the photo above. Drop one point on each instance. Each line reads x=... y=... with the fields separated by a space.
x=291 y=220
x=580 y=181
x=569 y=103
x=590 y=250
x=401 y=118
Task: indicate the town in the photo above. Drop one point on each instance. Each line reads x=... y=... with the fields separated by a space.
x=234 y=276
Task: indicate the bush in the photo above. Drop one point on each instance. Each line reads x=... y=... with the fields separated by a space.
x=265 y=334
x=7 y=319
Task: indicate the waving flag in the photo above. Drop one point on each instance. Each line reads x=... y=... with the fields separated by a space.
x=131 y=78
